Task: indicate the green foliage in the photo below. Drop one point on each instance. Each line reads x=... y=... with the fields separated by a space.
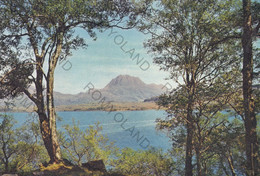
x=229 y=147
x=198 y=43
x=81 y=146
x=143 y=163
x=14 y=77
x=183 y=30
x=21 y=148
x=7 y=141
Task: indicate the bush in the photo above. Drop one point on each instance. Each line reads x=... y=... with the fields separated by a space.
x=21 y=149
x=80 y=146
x=143 y=163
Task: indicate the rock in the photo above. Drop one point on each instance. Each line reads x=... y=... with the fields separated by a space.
x=45 y=164
x=116 y=174
x=97 y=165
x=67 y=162
x=38 y=173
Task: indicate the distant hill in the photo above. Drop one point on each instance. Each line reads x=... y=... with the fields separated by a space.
x=123 y=88
x=127 y=88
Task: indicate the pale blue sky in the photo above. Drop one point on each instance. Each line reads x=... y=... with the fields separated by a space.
x=106 y=58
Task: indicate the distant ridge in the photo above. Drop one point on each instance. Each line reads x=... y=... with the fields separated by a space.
x=123 y=88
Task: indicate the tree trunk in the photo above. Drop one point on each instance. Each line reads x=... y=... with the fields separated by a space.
x=48 y=140
x=45 y=125
x=230 y=163
x=55 y=148
x=205 y=170
x=48 y=121
x=6 y=162
x=5 y=157
x=7 y=166
x=198 y=157
x=55 y=152
x=48 y=124
x=188 y=162
x=189 y=144
x=249 y=107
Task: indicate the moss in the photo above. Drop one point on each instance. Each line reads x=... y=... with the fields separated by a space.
x=64 y=170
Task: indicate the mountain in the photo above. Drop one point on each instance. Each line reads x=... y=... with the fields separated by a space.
x=123 y=88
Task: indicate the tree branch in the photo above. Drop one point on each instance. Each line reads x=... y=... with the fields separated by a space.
x=29 y=95
x=256 y=30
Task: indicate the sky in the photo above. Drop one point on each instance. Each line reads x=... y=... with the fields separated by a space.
x=115 y=52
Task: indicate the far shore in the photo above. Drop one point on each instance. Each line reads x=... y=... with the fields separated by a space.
x=112 y=106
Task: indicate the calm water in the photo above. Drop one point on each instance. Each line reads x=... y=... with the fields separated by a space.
x=134 y=129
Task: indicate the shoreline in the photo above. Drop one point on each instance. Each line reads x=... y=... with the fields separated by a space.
x=114 y=106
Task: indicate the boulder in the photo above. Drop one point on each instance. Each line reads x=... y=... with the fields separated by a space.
x=38 y=173
x=67 y=162
x=97 y=165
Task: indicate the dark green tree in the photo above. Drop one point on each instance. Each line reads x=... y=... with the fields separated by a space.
x=196 y=42
x=7 y=141
x=209 y=123
x=21 y=148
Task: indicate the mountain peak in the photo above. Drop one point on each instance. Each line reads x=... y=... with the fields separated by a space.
x=125 y=81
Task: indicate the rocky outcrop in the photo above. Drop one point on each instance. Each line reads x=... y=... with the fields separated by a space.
x=97 y=165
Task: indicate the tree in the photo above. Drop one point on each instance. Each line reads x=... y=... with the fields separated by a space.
x=21 y=148
x=7 y=141
x=210 y=124
x=41 y=33
x=252 y=147
x=83 y=146
x=191 y=40
x=229 y=148
x=148 y=162
x=30 y=149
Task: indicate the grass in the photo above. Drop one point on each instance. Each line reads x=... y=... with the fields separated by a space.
x=64 y=170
